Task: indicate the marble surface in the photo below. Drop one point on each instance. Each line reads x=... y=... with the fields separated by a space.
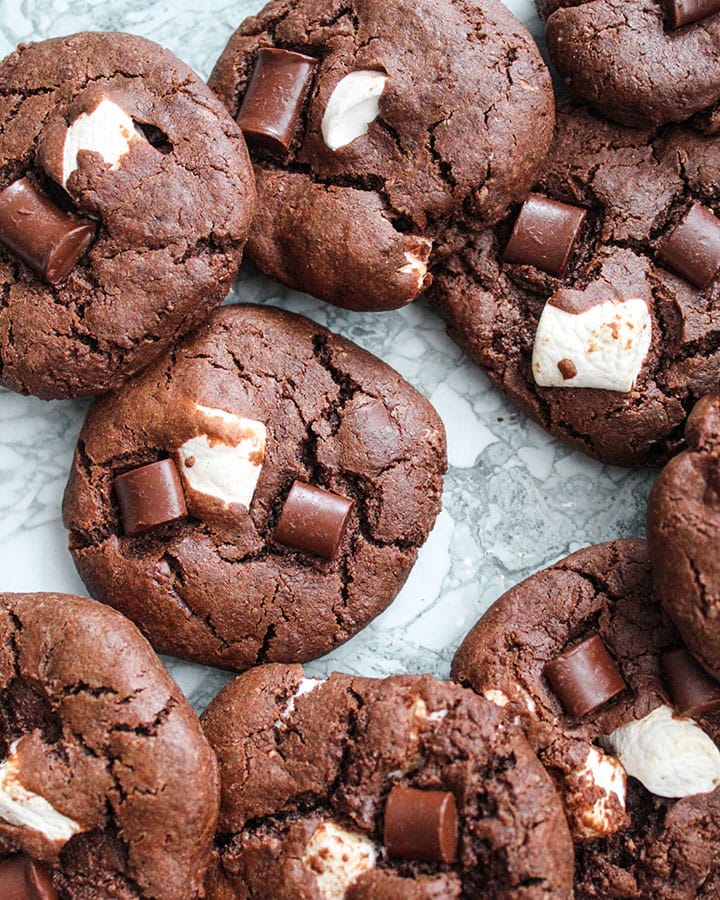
x=515 y=499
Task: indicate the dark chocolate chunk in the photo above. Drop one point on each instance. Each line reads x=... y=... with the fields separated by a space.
x=693 y=691
x=421 y=825
x=274 y=98
x=692 y=249
x=22 y=878
x=41 y=235
x=313 y=520
x=544 y=234
x=584 y=677
x=150 y=496
x=685 y=12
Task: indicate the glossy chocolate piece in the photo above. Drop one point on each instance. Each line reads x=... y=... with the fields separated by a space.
x=23 y=878
x=41 y=235
x=150 y=496
x=545 y=234
x=313 y=520
x=693 y=691
x=585 y=677
x=685 y=12
x=274 y=98
x=421 y=825
x=692 y=248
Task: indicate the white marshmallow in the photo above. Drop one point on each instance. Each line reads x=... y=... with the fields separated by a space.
x=338 y=857
x=605 y=773
x=305 y=687
x=25 y=809
x=352 y=106
x=417 y=261
x=671 y=755
x=495 y=696
x=606 y=344
x=500 y=698
x=107 y=130
x=225 y=464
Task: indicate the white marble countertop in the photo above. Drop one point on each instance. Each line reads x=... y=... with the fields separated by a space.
x=515 y=499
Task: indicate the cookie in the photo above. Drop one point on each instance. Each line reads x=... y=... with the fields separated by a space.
x=596 y=305
x=140 y=193
x=624 y=720
x=684 y=535
x=107 y=786
x=395 y=121
x=641 y=63
x=403 y=787
x=258 y=496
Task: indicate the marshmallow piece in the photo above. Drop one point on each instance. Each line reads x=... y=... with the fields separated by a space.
x=352 y=106
x=417 y=260
x=338 y=857
x=671 y=755
x=23 y=808
x=107 y=130
x=226 y=463
x=606 y=773
x=601 y=347
x=496 y=696
x=305 y=687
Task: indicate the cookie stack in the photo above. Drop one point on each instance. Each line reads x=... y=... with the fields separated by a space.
x=252 y=489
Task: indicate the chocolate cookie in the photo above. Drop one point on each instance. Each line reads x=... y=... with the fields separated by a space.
x=107 y=786
x=375 y=126
x=684 y=535
x=403 y=787
x=640 y=62
x=596 y=305
x=260 y=495
x=581 y=654
x=126 y=200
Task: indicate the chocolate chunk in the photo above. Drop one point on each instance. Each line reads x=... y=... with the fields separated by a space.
x=150 y=496
x=274 y=98
x=41 y=235
x=544 y=234
x=584 y=677
x=313 y=520
x=692 y=690
x=421 y=825
x=692 y=249
x=568 y=369
x=22 y=878
x=684 y=12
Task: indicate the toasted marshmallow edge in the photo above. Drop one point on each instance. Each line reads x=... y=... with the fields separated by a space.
x=607 y=774
x=24 y=809
x=107 y=130
x=669 y=754
x=606 y=344
x=337 y=857
x=227 y=471
x=352 y=106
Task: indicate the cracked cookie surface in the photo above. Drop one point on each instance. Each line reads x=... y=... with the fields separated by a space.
x=624 y=59
x=645 y=845
x=216 y=586
x=115 y=788
x=684 y=535
x=302 y=759
x=171 y=215
x=464 y=121
x=635 y=185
